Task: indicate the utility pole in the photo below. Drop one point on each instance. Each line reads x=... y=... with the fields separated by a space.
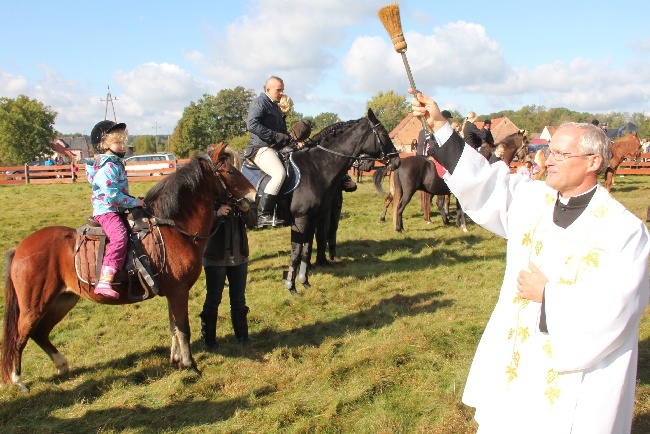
x=109 y=98
x=156 y=127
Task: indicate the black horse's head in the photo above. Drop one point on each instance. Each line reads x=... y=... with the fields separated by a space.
x=388 y=154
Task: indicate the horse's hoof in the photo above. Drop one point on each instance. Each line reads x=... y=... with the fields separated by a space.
x=465 y=230
x=288 y=284
x=323 y=263
x=306 y=284
x=382 y=220
x=293 y=292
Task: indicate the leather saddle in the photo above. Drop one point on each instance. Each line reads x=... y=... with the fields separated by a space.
x=145 y=256
x=259 y=178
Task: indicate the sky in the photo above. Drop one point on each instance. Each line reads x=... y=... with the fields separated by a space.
x=155 y=58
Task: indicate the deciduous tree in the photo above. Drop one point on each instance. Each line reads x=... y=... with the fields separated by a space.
x=390 y=108
x=26 y=130
x=210 y=120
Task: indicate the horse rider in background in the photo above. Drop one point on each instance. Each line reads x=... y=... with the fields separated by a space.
x=268 y=129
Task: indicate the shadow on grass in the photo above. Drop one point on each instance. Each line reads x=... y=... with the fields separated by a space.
x=368 y=253
x=382 y=314
x=172 y=417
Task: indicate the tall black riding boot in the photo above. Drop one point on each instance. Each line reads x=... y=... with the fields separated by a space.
x=265 y=210
x=209 y=331
x=240 y=324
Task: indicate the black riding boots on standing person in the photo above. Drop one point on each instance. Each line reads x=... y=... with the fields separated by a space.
x=265 y=211
x=240 y=324
x=209 y=331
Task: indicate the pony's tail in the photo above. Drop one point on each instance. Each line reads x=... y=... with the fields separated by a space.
x=378 y=177
x=10 y=329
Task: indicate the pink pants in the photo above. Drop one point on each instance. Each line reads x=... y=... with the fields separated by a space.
x=115 y=228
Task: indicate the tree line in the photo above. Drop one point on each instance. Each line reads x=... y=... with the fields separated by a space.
x=27 y=125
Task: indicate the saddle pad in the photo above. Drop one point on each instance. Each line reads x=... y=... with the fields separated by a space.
x=86 y=256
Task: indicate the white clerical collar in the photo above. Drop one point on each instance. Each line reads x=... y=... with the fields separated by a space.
x=565 y=200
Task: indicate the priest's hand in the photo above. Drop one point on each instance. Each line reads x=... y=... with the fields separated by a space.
x=531 y=283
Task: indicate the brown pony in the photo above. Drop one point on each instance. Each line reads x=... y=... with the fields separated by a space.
x=624 y=147
x=42 y=285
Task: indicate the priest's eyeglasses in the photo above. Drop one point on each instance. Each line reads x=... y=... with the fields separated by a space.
x=561 y=156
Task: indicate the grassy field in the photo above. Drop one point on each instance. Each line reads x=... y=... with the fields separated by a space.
x=381 y=343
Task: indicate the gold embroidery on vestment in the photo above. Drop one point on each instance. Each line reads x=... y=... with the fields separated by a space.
x=552 y=392
x=592 y=259
x=548 y=349
x=600 y=211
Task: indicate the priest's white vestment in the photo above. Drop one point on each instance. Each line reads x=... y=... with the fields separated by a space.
x=580 y=376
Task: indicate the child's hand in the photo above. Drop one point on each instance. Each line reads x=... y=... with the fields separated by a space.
x=140 y=202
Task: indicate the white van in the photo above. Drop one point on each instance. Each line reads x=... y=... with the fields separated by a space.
x=137 y=165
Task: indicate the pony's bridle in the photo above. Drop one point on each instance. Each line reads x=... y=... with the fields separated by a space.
x=215 y=167
x=383 y=157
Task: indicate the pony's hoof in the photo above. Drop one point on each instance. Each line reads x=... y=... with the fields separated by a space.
x=288 y=284
x=306 y=284
x=293 y=292
x=323 y=263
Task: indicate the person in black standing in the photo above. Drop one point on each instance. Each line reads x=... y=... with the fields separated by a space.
x=226 y=257
x=472 y=135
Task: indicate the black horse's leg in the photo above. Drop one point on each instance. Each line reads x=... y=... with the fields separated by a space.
x=294 y=260
x=444 y=210
x=460 y=217
x=323 y=228
x=305 y=257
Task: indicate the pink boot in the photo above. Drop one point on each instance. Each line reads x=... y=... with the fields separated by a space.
x=104 y=287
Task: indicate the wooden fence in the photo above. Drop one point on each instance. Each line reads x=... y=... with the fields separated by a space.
x=68 y=173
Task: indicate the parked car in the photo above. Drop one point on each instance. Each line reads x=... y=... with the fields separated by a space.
x=19 y=174
x=532 y=149
x=149 y=162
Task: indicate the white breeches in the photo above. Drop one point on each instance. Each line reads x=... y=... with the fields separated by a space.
x=267 y=160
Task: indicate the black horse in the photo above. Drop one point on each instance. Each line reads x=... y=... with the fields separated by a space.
x=321 y=165
x=415 y=173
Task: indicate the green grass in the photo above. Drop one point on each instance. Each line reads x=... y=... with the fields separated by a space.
x=381 y=343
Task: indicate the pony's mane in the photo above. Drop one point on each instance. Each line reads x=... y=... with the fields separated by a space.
x=333 y=129
x=169 y=197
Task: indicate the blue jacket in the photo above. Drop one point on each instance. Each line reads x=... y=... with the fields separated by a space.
x=107 y=176
x=264 y=121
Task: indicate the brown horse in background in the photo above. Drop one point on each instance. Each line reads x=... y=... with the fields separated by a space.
x=624 y=147
x=415 y=173
x=42 y=284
